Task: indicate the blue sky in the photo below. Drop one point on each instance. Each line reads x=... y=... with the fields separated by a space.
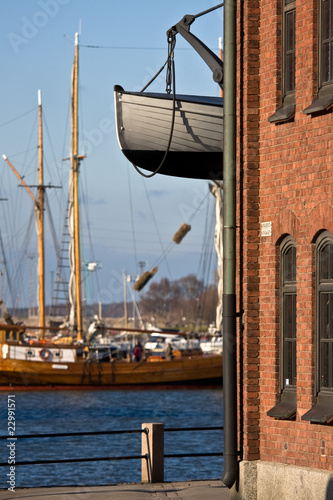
x=130 y=219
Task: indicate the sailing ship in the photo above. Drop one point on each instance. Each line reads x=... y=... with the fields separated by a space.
x=44 y=363
x=143 y=122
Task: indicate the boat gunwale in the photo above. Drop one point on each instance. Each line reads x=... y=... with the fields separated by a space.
x=198 y=99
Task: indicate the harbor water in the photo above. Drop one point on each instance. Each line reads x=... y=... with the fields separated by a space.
x=55 y=411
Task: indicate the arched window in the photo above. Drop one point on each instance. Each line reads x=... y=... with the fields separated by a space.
x=286 y=407
x=323 y=410
x=325 y=312
x=288 y=313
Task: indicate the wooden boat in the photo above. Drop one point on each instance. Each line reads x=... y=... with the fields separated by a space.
x=144 y=121
x=48 y=364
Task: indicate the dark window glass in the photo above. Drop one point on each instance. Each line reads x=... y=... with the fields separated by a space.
x=290 y=52
x=326 y=262
x=289 y=339
x=326 y=42
x=289 y=26
x=324 y=365
x=288 y=319
x=324 y=315
x=289 y=266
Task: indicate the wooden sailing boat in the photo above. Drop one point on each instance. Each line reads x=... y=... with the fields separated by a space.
x=47 y=363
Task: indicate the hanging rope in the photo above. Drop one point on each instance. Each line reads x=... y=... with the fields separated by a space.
x=156 y=226
x=154 y=77
x=132 y=217
x=170 y=81
x=172 y=244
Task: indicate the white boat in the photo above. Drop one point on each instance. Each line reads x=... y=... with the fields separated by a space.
x=144 y=120
x=212 y=345
x=157 y=343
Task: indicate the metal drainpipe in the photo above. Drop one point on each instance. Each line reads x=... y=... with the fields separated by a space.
x=230 y=474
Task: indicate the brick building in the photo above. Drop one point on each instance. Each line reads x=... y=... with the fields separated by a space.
x=285 y=248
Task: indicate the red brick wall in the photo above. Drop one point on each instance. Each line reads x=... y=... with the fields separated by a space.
x=248 y=221
x=284 y=176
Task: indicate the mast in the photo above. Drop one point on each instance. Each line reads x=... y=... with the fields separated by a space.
x=39 y=209
x=40 y=224
x=75 y=260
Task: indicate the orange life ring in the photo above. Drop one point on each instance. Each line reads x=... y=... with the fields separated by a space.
x=44 y=354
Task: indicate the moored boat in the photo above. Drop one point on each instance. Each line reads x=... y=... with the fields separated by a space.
x=144 y=119
x=157 y=343
x=212 y=344
x=47 y=364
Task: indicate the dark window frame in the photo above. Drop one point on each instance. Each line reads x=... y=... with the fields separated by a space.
x=287 y=110
x=288 y=52
x=324 y=98
x=288 y=289
x=325 y=85
x=322 y=411
x=286 y=408
x=324 y=287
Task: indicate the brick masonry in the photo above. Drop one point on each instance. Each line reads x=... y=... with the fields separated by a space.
x=284 y=177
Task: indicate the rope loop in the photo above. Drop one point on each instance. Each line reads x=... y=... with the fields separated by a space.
x=170 y=82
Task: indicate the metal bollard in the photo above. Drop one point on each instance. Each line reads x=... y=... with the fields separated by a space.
x=152 y=446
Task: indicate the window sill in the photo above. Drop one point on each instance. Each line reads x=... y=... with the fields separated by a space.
x=318 y=105
x=283 y=114
x=319 y=414
x=284 y=410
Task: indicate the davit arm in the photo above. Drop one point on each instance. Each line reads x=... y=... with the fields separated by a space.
x=211 y=59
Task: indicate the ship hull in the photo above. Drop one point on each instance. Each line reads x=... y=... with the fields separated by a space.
x=143 y=128
x=182 y=370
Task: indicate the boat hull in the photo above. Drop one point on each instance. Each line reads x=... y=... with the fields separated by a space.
x=143 y=128
x=191 y=369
